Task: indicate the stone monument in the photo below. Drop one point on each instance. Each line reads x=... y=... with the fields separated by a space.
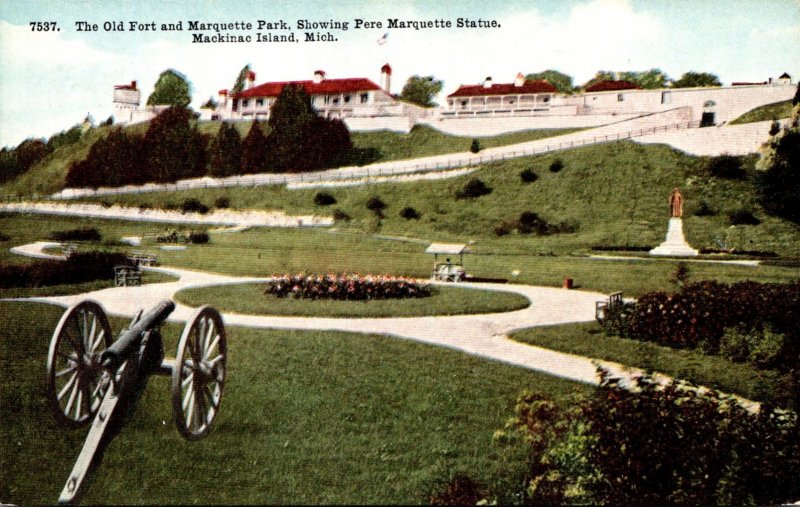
x=675 y=244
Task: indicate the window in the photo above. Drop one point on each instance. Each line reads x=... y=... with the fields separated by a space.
x=336 y=101
x=463 y=104
x=546 y=99
x=620 y=97
x=666 y=97
x=327 y=99
x=245 y=102
x=259 y=102
x=347 y=99
x=364 y=98
x=313 y=99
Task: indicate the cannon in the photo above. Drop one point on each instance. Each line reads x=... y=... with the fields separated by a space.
x=88 y=374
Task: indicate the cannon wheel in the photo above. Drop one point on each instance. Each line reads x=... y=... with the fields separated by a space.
x=75 y=383
x=198 y=376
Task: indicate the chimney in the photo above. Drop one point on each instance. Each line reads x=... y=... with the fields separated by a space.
x=487 y=83
x=520 y=80
x=250 y=79
x=223 y=97
x=386 y=78
x=133 y=85
x=319 y=76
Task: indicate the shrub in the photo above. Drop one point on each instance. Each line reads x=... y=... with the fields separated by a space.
x=222 y=202
x=528 y=176
x=475 y=147
x=376 y=205
x=774 y=127
x=192 y=205
x=474 y=188
x=704 y=210
x=725 y=166
x=504 y=228
x=742 y=217
x=410 y=213
x=556 y=166
x=83 y=234
x=324 y=199
x=340 y=216
x=461 y=490
x=80 y=267
x=197 y=237
x=3 y=237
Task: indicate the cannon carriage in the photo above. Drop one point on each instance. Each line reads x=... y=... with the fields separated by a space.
x=88 y=373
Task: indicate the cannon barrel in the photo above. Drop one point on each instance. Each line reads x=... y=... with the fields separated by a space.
x=121 y=349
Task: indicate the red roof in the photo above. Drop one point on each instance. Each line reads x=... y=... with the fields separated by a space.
x=131 y=86
x=327 y=86
x=607 y=86
x=540 y=86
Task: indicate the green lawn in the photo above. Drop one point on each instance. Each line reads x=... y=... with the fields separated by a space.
x=615 y=193
x=307 y=417
x=148 y=277
x=250 y=299
x=590 y=340
x=774 y=111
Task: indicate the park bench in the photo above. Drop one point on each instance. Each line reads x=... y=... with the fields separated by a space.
x=448 y=272
x=125 y=276
x=139 y=258
x=68 y=249
x=614 y=300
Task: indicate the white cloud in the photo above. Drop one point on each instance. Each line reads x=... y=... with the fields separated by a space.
x=21 y=46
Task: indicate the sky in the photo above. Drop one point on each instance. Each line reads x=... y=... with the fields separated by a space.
x=50 y=80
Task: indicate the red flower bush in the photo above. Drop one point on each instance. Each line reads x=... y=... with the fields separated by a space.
x=346 y=287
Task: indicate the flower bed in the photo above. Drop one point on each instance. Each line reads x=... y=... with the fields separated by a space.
x=346 y=287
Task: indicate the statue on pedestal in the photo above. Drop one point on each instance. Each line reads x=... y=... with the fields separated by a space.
x=676 y=203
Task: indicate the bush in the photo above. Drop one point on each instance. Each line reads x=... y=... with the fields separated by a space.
x=376 y=205
x=80 y=267
x=3 y=237
x=704 y=210
x=341 y=216
x=474 y=188
x=197 y=237
x=475 y=147
x=461 y=490
x=410 y=213
x=742 y=217
x=83 y=234
x=655 y=444
x=222 y=202
x=528 y=176
x=726 y=166
x=504 y=228
x=193 y=205
x=774 y=127
x=556 y=166
x=324 y=199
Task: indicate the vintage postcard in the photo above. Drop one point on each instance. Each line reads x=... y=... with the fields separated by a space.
x=401 y=252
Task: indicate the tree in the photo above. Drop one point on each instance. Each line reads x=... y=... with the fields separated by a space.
x=171 y=89
x=562 y=82
x=693 y=79
x=600 y=75
x=647 y=80
x=238 y=85
x=112 y=161
x=779 y=185
x=289 y=120
x=796 y=98
x=421 y=90
x=174 y=147
x=325 y=142
x=226 y=151
x=209 y=104
x=254 y=150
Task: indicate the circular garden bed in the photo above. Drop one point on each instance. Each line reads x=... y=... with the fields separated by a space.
x=250 y=299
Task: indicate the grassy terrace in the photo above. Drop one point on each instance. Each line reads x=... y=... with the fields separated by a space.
x=616 y=193
x=250 y=299
x=774 y=111
x=307 y=418
x=590 y=340
x=48 y=176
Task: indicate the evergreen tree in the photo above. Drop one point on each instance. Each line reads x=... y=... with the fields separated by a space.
x=326 y=143
x=174 y=147
x=254 y=150
x=226 y=151
x=172 y=89
x=112 y=161
x=290 y=122
x=238 y=85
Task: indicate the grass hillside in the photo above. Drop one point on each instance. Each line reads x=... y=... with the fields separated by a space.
x=616 y=194
x=774 y=111
x=48 y=175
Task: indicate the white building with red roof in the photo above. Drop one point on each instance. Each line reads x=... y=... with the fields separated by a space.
x=332 y=98
x=520 y=97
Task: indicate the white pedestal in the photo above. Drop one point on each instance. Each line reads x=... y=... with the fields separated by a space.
x=675 y=244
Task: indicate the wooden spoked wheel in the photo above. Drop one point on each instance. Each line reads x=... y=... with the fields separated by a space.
x=76 y=381
x=198 y=376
